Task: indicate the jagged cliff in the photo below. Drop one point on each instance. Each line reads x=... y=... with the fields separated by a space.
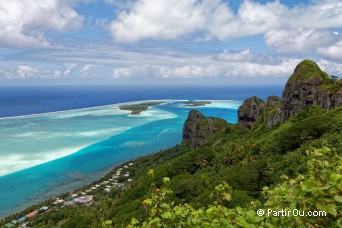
x=250 y=111
x=255 y=109
x=197 y=128
x=307 y=86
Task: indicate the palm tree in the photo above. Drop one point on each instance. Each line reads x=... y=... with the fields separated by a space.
x=201 y=161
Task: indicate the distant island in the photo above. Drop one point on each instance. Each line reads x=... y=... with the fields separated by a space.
x=140 y=107
x=196 y=103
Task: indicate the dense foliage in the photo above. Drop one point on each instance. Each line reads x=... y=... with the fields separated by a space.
x=270 y=167
x=312 y=200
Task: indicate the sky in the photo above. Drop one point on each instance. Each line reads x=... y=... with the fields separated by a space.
x=166 y=42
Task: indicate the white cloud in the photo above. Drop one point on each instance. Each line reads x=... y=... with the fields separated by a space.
x=154 y=64
x=252 y=18
x=187 y=71
x=330 y=67
x=85 y=69
x=294 y=40
x=69 y=68
x=301 y=27
x=246 y=56
x=170 y=19
x=24 y=71
x=123 y=72
x=333 y=51
x=229 y=69
x=23 y=23
x=165 y=19
x=322 y=14
x=57 y=73
x=236 y=56
x=285 y=67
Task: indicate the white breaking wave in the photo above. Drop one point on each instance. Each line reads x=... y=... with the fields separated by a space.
x=11 y=163
x=161 y=133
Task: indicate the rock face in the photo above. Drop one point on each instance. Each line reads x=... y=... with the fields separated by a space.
x=273 y=114
x=337 y=98
x=254 y=109
x=197 y=128
x=307 y=86
x=250 y=111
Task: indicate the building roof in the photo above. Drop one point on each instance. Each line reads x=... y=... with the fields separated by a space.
x=32 y=214
x=22 y=219
x=84 y=199
x=70 y=198
x=44 y=208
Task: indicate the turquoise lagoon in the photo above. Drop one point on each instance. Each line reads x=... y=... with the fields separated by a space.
x=47 y=154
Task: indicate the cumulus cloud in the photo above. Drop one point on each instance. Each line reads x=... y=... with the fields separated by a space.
x=301 y=27
x=165 y=19
x=294 y=40
x=330 y=67
x=23 y=23
x=318 y=15
x=24 y=71
x=252 y=18
x=170 y=19
x=333 y=51
x=122 y=72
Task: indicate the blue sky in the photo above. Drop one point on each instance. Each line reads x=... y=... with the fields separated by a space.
x=166 y=42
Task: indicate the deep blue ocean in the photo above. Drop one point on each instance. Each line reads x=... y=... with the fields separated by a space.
x=24 y=100
x=34 y=137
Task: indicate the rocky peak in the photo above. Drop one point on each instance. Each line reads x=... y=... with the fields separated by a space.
x=273 y=101
x=308 y=70
x=197 y=128
x=250 y=111
x=305 y=88
x=254 y=109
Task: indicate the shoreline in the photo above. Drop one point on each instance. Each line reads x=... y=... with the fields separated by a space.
x=99 y=176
